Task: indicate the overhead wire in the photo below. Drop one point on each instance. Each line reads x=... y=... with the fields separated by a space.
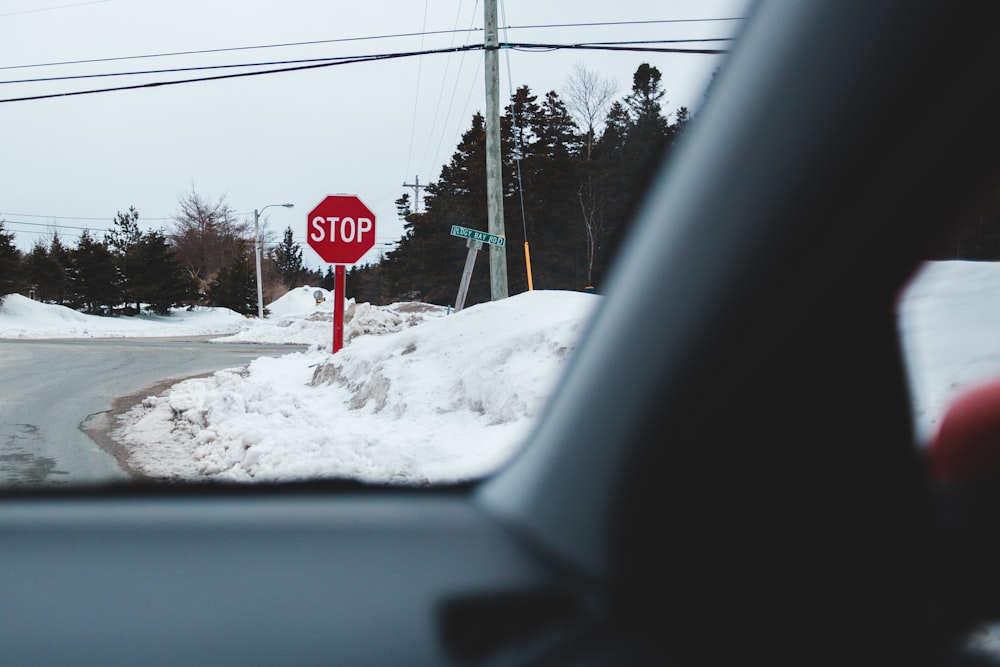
x=230 y=49
x=416 y=93
x=237 y=75
x=338 y=40
x=451 y=100
x=284 y=66
x=348 y=60
x=49 y=9
x=613 y=46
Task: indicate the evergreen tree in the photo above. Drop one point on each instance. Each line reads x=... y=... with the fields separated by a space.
x=578 y=189
x=235 y=286
x=10 y=264
x=550 y=197
x=329 y=280
x=96 y=279
x=124 y=233
x=635 y=137
x=365 y=283
x=682 y=118
x=427 y=264
x=43 y=274
x=288 y=258
x=403 y=206
x=63 y=284
x=160 y=279
x=644 y=101
x=123 y=240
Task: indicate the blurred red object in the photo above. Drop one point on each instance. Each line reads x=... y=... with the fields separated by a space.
x=967 y=445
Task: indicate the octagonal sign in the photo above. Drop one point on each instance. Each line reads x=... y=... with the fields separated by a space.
x=341 y=229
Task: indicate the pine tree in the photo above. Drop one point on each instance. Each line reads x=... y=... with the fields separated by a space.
x=235 y=286
x=636 y=135
x=329 y=280
x=122 y=240
x=551 y=197
x=427 y=264
x=63 y=283
x=10 y=264
x=42 y=273
x=288 y=258
x=578 y=191
x=96 y=279
x=160 y=279
x=365 y=283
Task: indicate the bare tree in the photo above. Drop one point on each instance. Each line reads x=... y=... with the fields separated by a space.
x=587 y=96
x=208 y=235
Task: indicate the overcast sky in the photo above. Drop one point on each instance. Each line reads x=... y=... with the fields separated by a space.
x=363 y=128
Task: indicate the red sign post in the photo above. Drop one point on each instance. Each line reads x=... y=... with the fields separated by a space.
x=341 y=230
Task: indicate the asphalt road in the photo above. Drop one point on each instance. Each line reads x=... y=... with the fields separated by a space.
x=50 y=389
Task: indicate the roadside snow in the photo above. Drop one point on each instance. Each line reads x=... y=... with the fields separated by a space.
x=296 y=318
x=419 y=396
x=444 y=401
x=20 y=317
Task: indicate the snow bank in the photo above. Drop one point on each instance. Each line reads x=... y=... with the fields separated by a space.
x=20 y=317
x=417 y=396
x=445 y=400
x=296 y=318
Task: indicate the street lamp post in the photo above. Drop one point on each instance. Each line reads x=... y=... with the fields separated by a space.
x=257 y=244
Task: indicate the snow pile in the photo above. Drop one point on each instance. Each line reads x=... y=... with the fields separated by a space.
x=446 y=400
x=418 y=397
x=950 y=327
x=296 y=318
x=20 y=317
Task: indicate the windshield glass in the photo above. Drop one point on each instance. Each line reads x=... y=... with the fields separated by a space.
x=277 y=241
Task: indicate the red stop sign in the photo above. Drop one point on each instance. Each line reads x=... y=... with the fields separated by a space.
x=341 y=229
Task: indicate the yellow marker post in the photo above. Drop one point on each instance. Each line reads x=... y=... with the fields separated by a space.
x=527 y=263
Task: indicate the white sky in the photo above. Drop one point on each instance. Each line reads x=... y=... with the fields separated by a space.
x=362 y=129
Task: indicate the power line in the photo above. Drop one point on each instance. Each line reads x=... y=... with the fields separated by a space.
x=416 y=92
x=296 y=68
x=230 y=49
x=422 y=33
x=440 y=95
x=67 y=217
x=49 y=9
x=176 y=70
x=620 y=23
x=338 y=59
x=613 y=46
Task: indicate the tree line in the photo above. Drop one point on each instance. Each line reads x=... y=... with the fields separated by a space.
x=573 y=169
x=206 y=258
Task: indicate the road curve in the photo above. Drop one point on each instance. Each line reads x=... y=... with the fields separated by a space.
x=50 y=388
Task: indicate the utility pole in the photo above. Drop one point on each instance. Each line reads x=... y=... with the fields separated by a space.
x=416 y=192
x=494 y=184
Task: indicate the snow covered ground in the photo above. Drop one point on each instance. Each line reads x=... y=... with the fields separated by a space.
x=20 y=317
x=447 y=398
x=419 y=396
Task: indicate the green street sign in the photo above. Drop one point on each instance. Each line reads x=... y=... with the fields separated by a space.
x=475 y=235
